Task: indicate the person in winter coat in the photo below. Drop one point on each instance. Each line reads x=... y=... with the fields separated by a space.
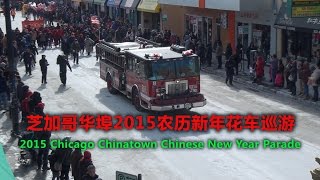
x=28 y=57
x=53 y=158
x=251 y=47
x=202 y=53
x=91 y=173
x=35 y=99
x=44 y=68
x=314 y=81
x=306 y=72
x=229 y=69
x=20 y=84
x=209 y=54
x=219 y=53
x=25 y=110
x=63 y=62
x=75 y=51
x=293 y=78
x=66 y=162
x=274 y=68
x=76 y=155
x=259 y=69
x=43 y=153
x=3 y=92
x=84 y=163
x=228 y=52
x=239 y=50
x=88 y=43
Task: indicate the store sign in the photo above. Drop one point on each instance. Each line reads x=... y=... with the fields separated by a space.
x=305 y=8
x=313 y=21
x=243 y=29
x=164 y=17
x=249 y=15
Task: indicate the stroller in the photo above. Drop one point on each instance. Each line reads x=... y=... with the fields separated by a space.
x=27 y=155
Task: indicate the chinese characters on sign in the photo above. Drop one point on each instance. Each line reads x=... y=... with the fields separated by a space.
x=305 y=8
x=313 y=21
x=230 y=122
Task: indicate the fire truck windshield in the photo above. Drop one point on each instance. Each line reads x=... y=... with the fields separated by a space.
x=173 y=68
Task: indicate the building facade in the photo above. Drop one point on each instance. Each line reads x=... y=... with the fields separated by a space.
x=130 y=11
x=114 y=9
x=149 y=14
x=298 y=32
x=255 y=24
x=208 y=20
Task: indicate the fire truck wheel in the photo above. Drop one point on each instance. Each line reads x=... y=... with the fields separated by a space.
x=136 y=100
x=111 y=89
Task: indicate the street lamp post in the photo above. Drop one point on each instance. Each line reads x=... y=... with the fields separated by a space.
x=14 y=113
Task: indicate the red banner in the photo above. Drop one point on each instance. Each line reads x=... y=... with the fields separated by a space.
x=33 y=24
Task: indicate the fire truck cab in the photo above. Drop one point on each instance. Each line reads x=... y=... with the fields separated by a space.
x=155 y=78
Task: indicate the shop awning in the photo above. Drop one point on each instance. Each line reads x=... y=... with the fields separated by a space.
x=129 y=4
x=5 y=170
x=284 y=21
x=99 y=2
x=113 y=3
x=151 y=6
x=77 y=1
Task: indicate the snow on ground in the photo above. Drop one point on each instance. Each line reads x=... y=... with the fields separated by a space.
x=86 y=93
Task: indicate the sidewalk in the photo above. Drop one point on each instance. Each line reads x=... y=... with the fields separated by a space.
x=245 y=79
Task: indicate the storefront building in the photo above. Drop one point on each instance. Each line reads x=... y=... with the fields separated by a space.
x=130 y=11
x=255 y=24
x=98 y=7
x=150 y=14
x=114 y=8
x=203 y=18
x=299 y=34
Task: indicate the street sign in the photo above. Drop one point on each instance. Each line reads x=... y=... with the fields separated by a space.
x=125 y=176
x=243 y=29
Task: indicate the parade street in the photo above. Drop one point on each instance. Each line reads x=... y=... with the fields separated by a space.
x=85 y=92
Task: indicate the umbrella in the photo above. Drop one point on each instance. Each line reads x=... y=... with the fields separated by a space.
x=5 y=170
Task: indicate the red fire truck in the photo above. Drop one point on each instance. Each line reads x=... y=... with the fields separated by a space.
x=155 y=78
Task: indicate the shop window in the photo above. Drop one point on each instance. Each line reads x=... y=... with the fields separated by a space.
x=261 y=39
x=298 y=44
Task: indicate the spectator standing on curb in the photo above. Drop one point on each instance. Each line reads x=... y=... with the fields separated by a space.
x=209 y=54
x=306 y=72
x=300 y=76
x=84 y=163
x=293 y=78
x=43 y=136
x=228 y=52
x=76 y=155
x=219 y=52
x=314 y=80
x=91 y=173
x=3 y=92
x=229 y=69
x=274 y=68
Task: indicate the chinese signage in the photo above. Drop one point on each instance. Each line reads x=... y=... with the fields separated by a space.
x=313 y=21
x=305 y=8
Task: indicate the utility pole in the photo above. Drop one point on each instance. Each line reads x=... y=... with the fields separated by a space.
x=14 y=113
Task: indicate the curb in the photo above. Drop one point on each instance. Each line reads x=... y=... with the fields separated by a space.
x=263 y=88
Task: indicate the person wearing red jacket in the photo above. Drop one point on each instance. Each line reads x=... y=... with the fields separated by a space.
x=259 y=69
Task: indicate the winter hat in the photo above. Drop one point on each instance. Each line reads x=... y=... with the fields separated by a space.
x=25 y=88
x=87 y=155
x=90 y=167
